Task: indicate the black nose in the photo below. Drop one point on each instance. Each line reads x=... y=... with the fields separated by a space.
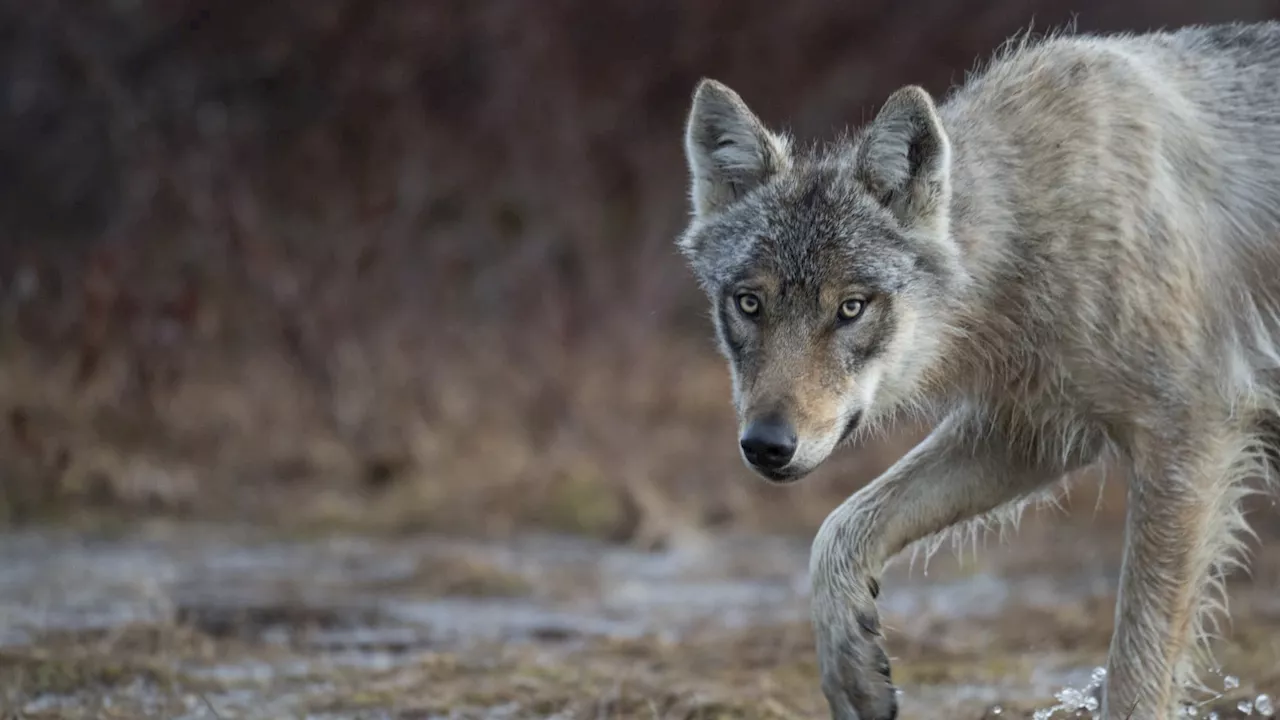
x=769 y=443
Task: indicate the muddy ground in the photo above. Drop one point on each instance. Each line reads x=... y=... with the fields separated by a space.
x=215 y=621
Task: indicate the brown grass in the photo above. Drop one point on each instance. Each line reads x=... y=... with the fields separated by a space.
x=764 y=674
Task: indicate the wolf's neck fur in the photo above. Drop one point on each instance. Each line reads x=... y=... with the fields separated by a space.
x=981 y=333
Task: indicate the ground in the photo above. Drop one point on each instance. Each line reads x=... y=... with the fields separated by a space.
x=164 y=619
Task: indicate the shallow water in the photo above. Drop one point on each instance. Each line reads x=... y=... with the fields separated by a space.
x=284 y=625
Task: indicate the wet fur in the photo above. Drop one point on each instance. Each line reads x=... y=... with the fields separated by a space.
x=1073 y=260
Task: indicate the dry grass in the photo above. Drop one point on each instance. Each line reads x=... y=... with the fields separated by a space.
x=765 y=674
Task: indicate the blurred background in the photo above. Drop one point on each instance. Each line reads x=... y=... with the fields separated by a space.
x=410 y=266
x=410 y=262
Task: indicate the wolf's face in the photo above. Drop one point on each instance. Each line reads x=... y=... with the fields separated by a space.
x=827 y=273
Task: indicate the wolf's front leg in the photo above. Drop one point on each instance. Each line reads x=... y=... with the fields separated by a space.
x=1180 y=529
x=967 y=466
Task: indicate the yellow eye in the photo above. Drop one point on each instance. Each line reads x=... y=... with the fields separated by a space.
x=748 y=303
x=850 y=309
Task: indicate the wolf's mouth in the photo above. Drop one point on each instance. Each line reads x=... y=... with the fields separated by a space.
x=780 y=477
x=850 y=426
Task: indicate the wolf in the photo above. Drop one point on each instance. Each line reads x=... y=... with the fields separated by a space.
x=1072 y=260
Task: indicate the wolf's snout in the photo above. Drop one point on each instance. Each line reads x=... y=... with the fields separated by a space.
x=769 y=443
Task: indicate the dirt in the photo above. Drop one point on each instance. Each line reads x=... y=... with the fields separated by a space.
x=185 y=620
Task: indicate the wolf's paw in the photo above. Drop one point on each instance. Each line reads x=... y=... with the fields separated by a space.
x=856 y=678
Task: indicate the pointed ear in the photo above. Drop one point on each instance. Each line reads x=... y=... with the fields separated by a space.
x=728 y=149
x=905 y=159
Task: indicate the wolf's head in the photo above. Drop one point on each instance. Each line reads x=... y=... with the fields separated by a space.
x=828 y=271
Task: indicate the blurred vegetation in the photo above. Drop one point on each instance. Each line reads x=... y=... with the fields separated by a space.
x=408 y=262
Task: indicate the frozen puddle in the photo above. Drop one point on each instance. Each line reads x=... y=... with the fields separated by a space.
x=371 y=591
x=361 y=591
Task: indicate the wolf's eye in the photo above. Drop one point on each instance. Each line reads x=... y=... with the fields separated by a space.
x=850 y=309
x=748 y=303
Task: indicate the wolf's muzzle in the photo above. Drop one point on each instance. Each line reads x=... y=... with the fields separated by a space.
x=769 y=443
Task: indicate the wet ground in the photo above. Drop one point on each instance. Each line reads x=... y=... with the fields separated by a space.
x=196 y=621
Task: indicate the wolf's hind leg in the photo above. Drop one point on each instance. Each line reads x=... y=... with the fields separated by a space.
x=1182 y=534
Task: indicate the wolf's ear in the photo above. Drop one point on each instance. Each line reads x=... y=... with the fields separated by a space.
x=728 y=149
x=905 y=158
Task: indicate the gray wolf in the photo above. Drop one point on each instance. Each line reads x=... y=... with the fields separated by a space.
x=1072 y=260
